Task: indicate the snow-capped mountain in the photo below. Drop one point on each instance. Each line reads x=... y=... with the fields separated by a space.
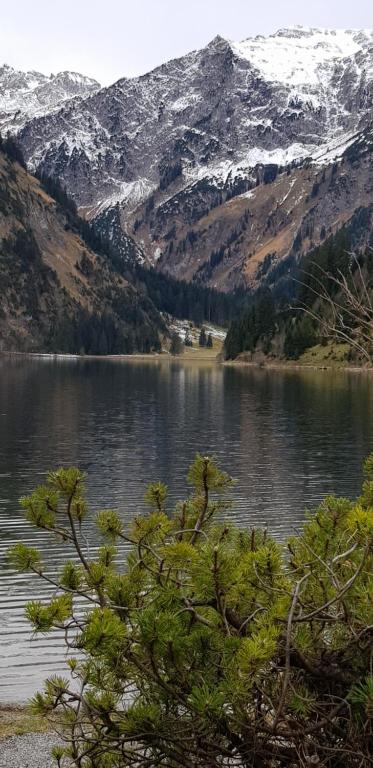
x=152 y=155
x=25 y=95
x=216 y=112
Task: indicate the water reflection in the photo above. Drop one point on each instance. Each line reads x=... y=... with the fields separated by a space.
x=288 y=437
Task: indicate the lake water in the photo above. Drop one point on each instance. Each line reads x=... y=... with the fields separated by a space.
x=288 y=438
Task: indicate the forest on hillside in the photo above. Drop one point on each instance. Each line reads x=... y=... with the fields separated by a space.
x=286 y=328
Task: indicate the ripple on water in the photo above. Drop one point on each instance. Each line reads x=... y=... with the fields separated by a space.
x=287 y=437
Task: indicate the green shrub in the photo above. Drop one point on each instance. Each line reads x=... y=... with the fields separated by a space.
x=211 y=645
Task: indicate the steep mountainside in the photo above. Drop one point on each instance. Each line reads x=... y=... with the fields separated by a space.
x=56 y=293
x=26 y=95
x=187 y=160
x=268 y=329
x=215 y=113
x=252 y=237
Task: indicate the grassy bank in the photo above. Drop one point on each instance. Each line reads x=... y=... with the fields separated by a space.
x=325 y=357
x=15 y=720
x=190 y=353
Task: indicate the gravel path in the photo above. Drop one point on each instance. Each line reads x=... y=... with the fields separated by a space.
x=32 y=750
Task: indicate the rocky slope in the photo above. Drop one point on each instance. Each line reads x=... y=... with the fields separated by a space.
x=254 y=236
x=57 y=294
x=187 y=160
x=28 y=95
x=215 y=113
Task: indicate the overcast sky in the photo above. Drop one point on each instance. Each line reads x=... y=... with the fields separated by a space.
x=109 y=39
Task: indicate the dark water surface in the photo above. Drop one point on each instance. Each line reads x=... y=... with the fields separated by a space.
x=288 y=437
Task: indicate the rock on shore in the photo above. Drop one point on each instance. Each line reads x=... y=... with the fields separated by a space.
x=31 y=750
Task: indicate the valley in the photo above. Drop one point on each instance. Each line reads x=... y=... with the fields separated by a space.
x=214 y=166
x=186 y=356
x=216 y=170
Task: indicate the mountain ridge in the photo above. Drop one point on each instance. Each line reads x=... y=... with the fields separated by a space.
x=216 y=123
x=26 y=95
x=153 y=109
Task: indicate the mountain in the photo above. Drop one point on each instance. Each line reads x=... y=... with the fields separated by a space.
x=267 y=329
x=57 y=294
x=250 y=238
x=220 y=164
x=28 y=95
x=65 y=290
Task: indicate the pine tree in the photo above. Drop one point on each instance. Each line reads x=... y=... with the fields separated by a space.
x=176 y=346
x=12 y=149
x=212 y=646
x=188 y=339
x=202 y=341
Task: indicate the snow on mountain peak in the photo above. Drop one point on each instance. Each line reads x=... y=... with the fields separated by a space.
x=76 y=78
x=26 y=95
x=301 y=56
x=212 y=114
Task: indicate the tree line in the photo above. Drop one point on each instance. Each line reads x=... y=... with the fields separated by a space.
x=330 y=278
x=178 y=298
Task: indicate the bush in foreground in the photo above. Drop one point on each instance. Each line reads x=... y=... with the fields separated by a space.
x=210 y=646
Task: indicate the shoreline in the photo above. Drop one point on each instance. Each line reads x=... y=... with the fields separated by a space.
x=287 y=365
x=135 y=356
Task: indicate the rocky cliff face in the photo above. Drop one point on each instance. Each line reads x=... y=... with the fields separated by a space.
x=215 y=113
x=251 y=238
x=207 y=135
x=28 y=95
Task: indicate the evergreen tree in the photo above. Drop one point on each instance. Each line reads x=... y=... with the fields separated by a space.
x=103 y=343
x=209 y=342
x=202 y=341
x=13 y=151
x=188 y=339
x=187 y=301
x=176 y=346
x=256 y=324
x=212 y=647
x=300 y=335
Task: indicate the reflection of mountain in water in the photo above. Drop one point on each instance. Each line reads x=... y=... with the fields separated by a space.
x=289 y=438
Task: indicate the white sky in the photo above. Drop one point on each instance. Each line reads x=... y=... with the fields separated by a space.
x=109 y=39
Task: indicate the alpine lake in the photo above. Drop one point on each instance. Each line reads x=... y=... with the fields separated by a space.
x=288 y=438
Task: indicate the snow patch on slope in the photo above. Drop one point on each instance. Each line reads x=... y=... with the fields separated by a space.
x=298 y=56
x=218 y=113
x=28 y=95
x=225 y=169
x=129 y=193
